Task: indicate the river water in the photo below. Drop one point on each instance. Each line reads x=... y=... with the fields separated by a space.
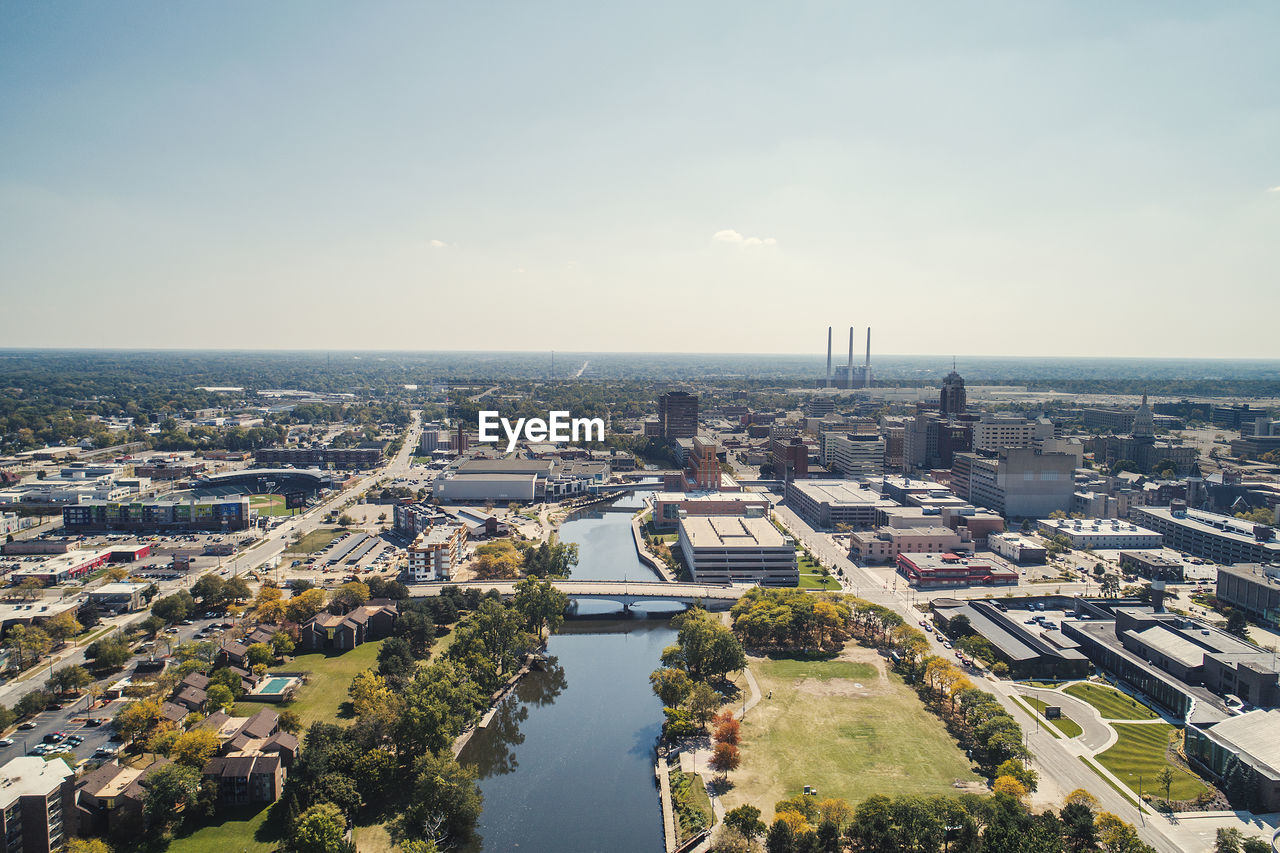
x=567 y=763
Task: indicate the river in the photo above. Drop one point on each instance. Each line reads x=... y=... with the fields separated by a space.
x=567 y=763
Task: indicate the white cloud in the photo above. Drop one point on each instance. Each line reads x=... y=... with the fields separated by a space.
x=1275 y=189
x=437 y=244
x=728 y=235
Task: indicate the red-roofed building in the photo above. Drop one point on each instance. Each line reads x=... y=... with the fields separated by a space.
x=934 y=570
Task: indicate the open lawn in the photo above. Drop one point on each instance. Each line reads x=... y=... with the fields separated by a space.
x=320 y=700
x=1064 y=724
x=846 y=727
x=1141 y=752
x=315 y=541
x=240 y=829
x=811 y=575
x=373 y=838
x=1111 y=703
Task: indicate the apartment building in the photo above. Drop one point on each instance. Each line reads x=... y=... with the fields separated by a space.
x=37 y=804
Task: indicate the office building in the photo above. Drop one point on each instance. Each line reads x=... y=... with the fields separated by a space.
x=1162 y=565
x=37 y=804
x=827 y=504
x=994 y=432
x=1216 y=537
x=704 y=465
x=737 y=550
x=670 y=507
x=1235 y=416
x=1019 y=482
x=358 y=458
x=930 y=440
x=1091 y=534
x=884 y=544
x=790 y=459
x=951 y=398
x=928 y=571
x=857 y=454
x=678 y=415
x=121 y=597
x=1253 y=588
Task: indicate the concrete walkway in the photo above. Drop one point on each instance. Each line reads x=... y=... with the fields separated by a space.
x=1097 y=734
x=668 y=815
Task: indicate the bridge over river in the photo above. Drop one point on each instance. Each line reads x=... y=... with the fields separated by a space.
x=625 y=593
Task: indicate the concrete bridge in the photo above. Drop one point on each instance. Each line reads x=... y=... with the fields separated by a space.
x=625 y=593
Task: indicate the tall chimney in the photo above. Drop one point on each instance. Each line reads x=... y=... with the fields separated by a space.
x=866 y=373
x=848 y=378
x=828 y=385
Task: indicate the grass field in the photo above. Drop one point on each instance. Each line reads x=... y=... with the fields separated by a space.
x=269 y=505
x=316 y=540
x=811 y=577
x=1064 y=724
x=1140 y=752
x=239 y=829
x=320 y=699
x=373 y=838
x=1111 y=703
x=816 y=726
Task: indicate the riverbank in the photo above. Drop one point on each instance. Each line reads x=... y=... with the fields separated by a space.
x=645 y=555
x=531 y=660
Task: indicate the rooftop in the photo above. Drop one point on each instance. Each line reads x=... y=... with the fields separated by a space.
x=717 y=532
x=1254 y=733
x=31 y=776
x=838 y=492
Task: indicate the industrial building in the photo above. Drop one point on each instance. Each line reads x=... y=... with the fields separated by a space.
x=1090 y=534
x=738 y=550
x=828 y=503
x=1216 y=537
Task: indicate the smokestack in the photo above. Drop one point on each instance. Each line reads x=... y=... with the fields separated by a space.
x=828 y=385
x=848 y=378
x=866 y=373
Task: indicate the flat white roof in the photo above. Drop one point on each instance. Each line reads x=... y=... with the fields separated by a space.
x=30 y=775
x=718 y=532
x=838 y=492
x=1256 y=733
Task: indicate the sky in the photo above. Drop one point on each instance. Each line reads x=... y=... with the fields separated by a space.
x=1001 y=178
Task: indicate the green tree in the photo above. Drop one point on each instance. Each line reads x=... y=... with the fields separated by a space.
x=108 y=653
x=746 y=821
x=28 y=644
x=1238 y=625
x=445 y=797
x=320 y=829
x=211 y=590
x=705 y=648
x=671 y=685
x=1165 y=779
x=541 y=605
x=260 y=653
x=218 y=697
x=702 y=702
x=174 y=608
x=70 y=679
x=350 y=595
x=171 y=790
x=64 y=626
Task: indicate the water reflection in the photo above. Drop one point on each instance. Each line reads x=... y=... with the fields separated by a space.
x=498 y=758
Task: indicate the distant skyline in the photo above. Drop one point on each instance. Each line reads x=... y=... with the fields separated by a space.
x=981 y=178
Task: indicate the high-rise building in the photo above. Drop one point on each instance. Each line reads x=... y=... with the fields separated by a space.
x=952 y=397
x=37 y=804
x=704 y=464
x=678 y=414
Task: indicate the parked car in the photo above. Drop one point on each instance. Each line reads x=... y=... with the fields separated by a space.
x=27 y=726
x=6 y=741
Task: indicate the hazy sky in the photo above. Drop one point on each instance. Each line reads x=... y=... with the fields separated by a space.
x=1034 y=178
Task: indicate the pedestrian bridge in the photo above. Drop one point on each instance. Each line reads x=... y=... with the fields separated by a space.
x=626 y=593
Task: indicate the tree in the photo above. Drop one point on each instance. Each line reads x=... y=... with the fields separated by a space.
x=269 y=604
x=369 y=693
x=444 y=795
x=260 y=653
x=1254 y=844
x=1020 y=771
x=170 y=791
x=1238 y=625
x=32 y=703
x=418 y=629
x=305 y=605
x=671 y=685
x=1165 y=779
x=725 y=758
x=705 y=648
x=1078 y=831
x=237 y=588
x=396 y=663
x=64 y=626
x=702 y=702
x=87 y=845
x=745 y=820
x=218 y=697
x=282 y=644
x=137 y=719
x=70 y=679
x=1011 y=786
x=350 y=595
x=781 y=838
x=728 y=729
x=1116 y=836
x=108 y=653
x=211 y=590
x=320 y=829
x=174 y=608
x=497 y=559
x=541 y=604
x=194 y=748
x=28 y=644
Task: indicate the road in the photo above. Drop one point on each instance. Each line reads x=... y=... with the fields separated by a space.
x=1055 y=764
x=274 y=543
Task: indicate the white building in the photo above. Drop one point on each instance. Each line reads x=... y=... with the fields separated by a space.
x=437 y=552
x=1100 y=533
x=856 y=454
x=737 y=550
x=993 y=432
x=1020 y=549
